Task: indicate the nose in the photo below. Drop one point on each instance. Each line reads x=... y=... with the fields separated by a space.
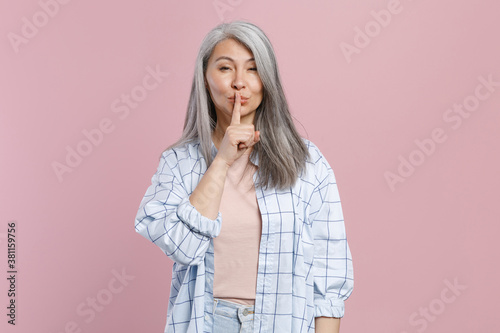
x=239 y=80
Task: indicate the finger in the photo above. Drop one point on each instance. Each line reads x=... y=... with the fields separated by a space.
x=235 y=118
x=252 y=139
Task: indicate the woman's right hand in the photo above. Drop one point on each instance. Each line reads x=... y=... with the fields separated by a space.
x=238 y=137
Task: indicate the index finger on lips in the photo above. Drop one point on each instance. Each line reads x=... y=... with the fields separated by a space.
x=235 y=118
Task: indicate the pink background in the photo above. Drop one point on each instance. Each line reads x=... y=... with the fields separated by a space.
x=364 y=112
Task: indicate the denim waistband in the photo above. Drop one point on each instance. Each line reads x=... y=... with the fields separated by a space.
x=233 y=310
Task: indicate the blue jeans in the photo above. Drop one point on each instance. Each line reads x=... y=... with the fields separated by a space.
x=232 y=317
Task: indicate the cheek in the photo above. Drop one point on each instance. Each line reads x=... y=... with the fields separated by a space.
x=215 y=85
x=257 y=86
x=259 y=90
x=212 y=86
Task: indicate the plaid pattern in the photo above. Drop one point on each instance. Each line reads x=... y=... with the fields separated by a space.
x=305 y=267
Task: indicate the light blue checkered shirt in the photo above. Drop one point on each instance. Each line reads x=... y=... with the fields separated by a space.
x=305 y=266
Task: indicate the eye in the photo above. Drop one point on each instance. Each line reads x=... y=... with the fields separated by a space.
x=253 y=69
x=223 y=68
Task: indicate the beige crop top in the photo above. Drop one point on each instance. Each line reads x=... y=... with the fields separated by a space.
x=237 y=246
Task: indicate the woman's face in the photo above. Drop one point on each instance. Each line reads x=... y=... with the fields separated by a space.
x=230 y=69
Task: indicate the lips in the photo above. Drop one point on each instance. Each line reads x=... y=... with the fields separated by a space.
x=243 y=99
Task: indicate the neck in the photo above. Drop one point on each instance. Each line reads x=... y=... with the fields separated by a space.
x=218 y=134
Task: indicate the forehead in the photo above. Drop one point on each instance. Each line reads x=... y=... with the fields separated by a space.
x=232 y=49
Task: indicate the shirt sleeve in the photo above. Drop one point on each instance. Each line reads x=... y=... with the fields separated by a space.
x=332 y=265
x=168 y=219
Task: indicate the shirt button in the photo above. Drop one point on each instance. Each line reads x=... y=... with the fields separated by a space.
x=206 y=317
x=245 y=312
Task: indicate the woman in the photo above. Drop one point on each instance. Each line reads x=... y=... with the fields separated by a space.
x=247 y=209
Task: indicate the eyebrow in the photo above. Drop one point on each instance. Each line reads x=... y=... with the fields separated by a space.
x=231 y=59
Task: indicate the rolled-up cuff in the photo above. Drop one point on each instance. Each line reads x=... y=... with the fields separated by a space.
x=329 y=308
x=190 y=216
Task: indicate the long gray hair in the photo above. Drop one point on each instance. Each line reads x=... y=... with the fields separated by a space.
x=281 y=152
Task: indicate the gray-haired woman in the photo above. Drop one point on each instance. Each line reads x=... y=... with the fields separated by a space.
x=248 y=210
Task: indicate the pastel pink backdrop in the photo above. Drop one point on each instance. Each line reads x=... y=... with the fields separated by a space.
x=364 y=111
